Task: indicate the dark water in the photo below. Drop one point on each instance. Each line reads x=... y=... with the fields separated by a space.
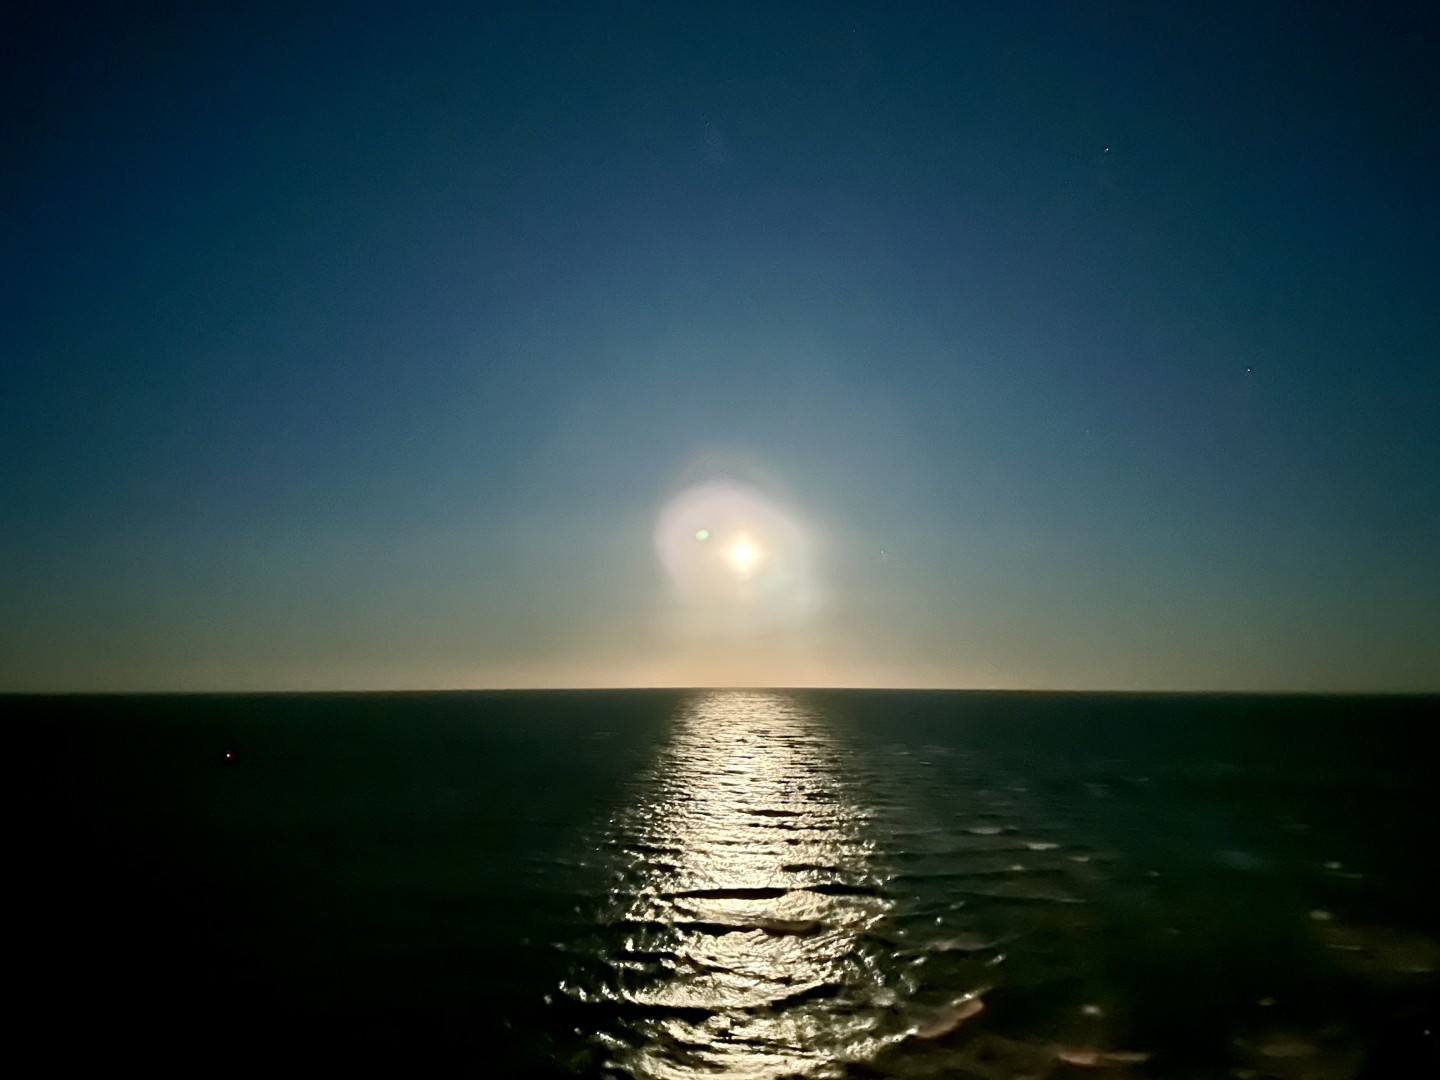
x=748 y=884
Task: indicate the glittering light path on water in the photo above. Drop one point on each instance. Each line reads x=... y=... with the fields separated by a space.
x=744 y=904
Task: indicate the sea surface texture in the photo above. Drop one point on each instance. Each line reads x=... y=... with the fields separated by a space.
x=734 y=883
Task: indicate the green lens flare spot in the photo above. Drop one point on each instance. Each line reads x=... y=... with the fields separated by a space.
x=702 y=534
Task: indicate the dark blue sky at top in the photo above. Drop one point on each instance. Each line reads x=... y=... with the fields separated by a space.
x=358 y=345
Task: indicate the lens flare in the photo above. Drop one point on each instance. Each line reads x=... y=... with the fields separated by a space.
x=755 y=570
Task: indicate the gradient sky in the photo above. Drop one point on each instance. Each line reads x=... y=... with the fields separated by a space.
x=1069 y=345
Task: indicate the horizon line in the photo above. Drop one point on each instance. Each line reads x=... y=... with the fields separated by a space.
x=353 y=691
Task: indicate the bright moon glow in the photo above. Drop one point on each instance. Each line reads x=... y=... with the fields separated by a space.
x=742 y=556
x=755 y=574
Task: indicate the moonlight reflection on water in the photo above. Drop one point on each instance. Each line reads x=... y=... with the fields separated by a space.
x=745 y=906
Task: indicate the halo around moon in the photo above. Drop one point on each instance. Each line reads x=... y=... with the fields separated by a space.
x=735 y=558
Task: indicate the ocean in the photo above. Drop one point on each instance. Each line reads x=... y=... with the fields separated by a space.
x=730 y=883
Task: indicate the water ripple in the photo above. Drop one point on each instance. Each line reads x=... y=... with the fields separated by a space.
x=782 y=904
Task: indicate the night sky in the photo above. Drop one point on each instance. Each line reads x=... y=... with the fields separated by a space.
x=993 y=345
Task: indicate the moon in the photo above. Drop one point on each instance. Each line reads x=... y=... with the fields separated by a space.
x=736 y=557
x=742 y=556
